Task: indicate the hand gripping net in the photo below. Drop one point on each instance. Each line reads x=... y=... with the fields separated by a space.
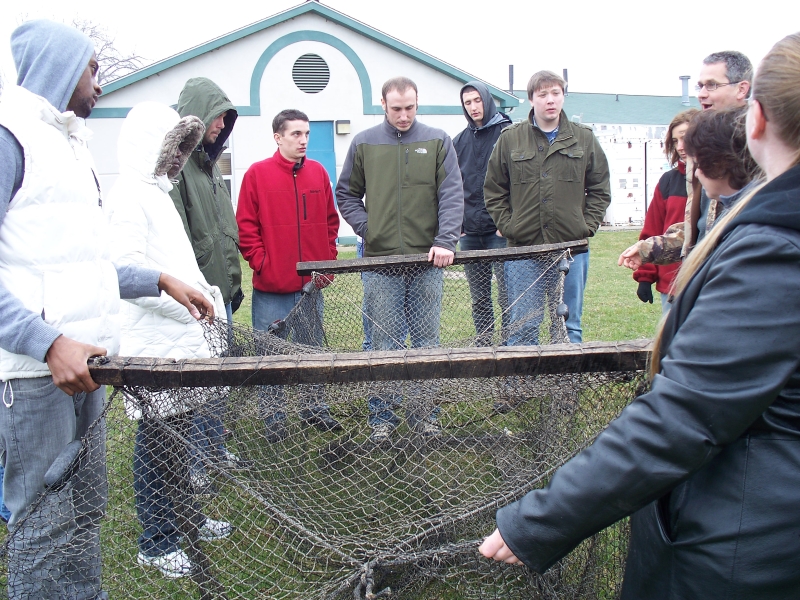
x=323 y=508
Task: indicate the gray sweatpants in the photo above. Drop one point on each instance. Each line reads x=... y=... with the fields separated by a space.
x=54 y=549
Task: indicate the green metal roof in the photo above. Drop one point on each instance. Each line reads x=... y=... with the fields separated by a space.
x=619 y=109
x=505 y=100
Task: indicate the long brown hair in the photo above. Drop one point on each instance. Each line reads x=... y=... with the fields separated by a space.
x=669 y=147
x=775 y=88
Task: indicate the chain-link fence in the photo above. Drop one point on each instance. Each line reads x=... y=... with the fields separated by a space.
x=297 y=497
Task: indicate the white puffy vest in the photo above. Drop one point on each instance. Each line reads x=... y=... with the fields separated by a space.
x=147 y=230
x=53 y=251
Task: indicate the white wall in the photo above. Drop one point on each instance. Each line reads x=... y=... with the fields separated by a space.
x=628 y=204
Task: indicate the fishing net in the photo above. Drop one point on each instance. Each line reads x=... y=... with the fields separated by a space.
x=294 y=465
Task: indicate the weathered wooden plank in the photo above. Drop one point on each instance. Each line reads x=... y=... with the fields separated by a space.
x=401 y=365
x=355 y=265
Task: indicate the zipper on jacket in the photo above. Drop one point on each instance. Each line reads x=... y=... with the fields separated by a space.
x=305 y=209
x=405 y=175
x=297 y=204
x=220 y=235
x=400 y=195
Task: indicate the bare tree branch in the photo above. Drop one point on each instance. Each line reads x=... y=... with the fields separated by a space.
x=113 y=63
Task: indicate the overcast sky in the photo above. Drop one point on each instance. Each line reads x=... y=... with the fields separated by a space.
x=612 y=46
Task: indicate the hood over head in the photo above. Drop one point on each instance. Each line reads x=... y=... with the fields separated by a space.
x=203 y=98
x=774 y=204
x=489 y=106
x=149 y=138
x=50 y=59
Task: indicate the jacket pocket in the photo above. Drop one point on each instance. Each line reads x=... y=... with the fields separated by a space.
x=524 y=169
x=204 y=251
x=663 y=519
x=419 y=164
x=231 y=230
x=570 y=166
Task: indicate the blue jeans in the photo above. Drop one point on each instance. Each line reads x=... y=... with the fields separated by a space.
x=5 y=514
x=407 y=304
x=159 y=461
x=479 y=277
x=53 y=552
x=531 y=291
x=208 y=435
x=305 y=329
x=366 y=346
x=665 y=304
x=574 y=286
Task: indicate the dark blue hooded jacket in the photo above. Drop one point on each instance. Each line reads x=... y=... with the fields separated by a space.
x=473 y=147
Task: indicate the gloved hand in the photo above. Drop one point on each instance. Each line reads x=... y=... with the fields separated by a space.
x=645 y=291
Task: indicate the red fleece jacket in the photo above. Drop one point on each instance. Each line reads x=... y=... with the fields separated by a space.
x=286 y=215
x=666 y=208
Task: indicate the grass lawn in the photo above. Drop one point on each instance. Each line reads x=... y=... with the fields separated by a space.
x=611 y=310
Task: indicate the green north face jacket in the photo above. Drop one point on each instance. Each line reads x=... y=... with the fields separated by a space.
x=538 y=193
x=201 y=196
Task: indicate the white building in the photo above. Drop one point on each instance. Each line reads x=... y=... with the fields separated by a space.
x=311 y=58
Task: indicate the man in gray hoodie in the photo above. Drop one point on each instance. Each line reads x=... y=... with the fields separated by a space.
x=58 y=297
x=474 y=147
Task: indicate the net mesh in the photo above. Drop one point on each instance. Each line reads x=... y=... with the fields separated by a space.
x=340 y=483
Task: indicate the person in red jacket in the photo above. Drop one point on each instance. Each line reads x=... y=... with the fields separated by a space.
x=667 y=207
x=286 y=215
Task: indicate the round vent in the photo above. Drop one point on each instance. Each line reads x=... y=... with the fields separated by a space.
x=310 y=73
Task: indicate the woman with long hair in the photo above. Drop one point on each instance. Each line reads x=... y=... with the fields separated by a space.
x=708 y=461
x=667 y=207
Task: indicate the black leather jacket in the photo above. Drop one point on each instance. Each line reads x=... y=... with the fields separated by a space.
x=710 y=457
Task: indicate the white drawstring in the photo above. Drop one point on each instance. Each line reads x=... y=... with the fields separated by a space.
x=8 y=385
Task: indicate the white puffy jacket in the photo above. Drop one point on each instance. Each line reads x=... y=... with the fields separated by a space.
x=147 y=230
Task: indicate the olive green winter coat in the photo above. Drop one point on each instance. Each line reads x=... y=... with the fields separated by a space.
x=539 y=193
x=201 y=196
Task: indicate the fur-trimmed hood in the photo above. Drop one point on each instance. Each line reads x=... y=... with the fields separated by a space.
x=149 y=139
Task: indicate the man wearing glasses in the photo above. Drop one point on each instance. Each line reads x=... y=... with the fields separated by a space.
x=724 y=80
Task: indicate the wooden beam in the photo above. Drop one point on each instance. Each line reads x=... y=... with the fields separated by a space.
x=355 y=367
x=355 y=265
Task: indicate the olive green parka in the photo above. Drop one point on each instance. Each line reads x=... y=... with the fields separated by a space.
x=538 y=193
x=201 y=196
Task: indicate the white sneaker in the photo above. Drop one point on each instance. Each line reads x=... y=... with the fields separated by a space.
x=202 y=484
x=429 y=428
x=173 y=565
x=213 y=530
x=230 y=459
x=381 y=433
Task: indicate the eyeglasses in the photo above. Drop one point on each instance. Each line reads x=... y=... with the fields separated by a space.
x=713 y=85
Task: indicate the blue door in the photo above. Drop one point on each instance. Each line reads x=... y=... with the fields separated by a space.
x=320 y=147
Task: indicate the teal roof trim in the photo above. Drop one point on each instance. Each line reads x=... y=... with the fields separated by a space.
x=110 y=113
x=504 y=99
x=254 y=109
